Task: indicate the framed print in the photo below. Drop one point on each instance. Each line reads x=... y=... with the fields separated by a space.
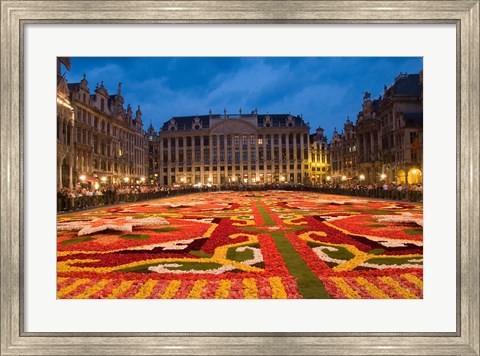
x=43 y=314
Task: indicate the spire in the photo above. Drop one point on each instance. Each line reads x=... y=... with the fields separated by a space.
x=138 y=114
x=84 y=82
x=119 y=90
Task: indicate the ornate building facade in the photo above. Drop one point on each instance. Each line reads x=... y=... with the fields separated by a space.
x=65 y=129
x=238 y=149
x=401 y=121
x=319 y=163
x=101 y=142
x=367 y=134
x=343 y=152
x=386 y=143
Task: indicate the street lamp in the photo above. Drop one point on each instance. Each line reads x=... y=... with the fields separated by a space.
x=362 y=177
x=126 y=179
x=329 y=178
x=383 y=176
x=344 y=178
x=82 y=178
x=103 y=179
x=142 y=179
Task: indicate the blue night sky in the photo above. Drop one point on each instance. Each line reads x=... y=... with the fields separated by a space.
x=325 y=90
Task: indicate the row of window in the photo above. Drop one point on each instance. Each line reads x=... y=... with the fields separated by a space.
x=111 y=130
x=261 y=167
x=222 y=140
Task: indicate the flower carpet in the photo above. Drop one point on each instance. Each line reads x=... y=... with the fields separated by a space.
x=243 y=245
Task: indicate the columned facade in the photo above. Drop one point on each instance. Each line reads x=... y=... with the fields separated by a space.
x=244 y=149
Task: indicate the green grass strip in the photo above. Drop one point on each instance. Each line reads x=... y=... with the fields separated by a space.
x=77 y=241
x=239 y=256
x=341 y=253
x=413 y=231
x=200 y=254
x=309 y=285
x=392 y=261
x=267 y=219
x=166 y=229
x=134 y=237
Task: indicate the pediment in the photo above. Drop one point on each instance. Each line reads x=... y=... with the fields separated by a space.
x=233 y=126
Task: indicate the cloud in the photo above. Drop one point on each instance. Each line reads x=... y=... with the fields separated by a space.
x=324 y=90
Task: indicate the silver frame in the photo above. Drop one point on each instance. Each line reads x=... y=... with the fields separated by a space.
x=15 y=14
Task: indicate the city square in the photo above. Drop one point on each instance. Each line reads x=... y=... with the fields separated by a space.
x=243 y=245
x=244 y=205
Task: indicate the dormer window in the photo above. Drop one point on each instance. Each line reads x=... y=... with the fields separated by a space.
x=268 y=121
x=196 y=127
x=172 y=128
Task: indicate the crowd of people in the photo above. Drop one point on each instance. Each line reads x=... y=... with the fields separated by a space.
x=82 y=196
x=383 y=186
x=84 y=191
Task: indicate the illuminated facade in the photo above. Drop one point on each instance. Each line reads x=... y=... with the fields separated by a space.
x=110 y=142
x=386 y=143
x=401 y=122
x=239 y=149
x=65 y=129
x=343 y=153
x=98 y=140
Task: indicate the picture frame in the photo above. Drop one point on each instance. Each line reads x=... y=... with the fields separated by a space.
x=16 y=14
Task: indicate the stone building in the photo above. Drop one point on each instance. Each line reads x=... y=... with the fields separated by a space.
x=343 y=153
x=368 y=145
x=153 y=155
x=65 y=129
x=101 y=142
x=386 y=143
x=319 y=165
x=236 y=149
x=401 y=120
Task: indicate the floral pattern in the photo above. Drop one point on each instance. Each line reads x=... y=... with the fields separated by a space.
x=243 y=245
